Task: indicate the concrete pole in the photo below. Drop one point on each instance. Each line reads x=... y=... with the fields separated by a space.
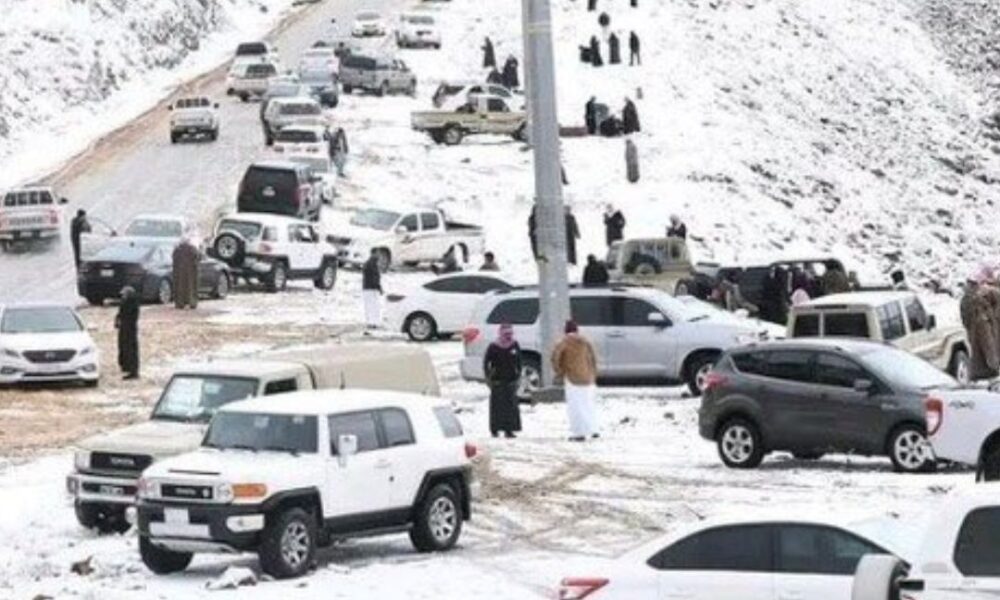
x=551 y=223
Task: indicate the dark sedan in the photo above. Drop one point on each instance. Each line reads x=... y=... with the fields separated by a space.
x=147 y=266
x=818 y=396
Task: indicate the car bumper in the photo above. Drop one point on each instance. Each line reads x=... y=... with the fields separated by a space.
x=707 y=424
x=201 y=528
x=86 y=368
x=28 y=234
x=192 y=129
x=111 y=287
x=101 y=489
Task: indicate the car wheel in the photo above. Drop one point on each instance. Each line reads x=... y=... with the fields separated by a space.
x=740 y=444
x=160 y=560
x=421 y=327
x=103 y=519
x=164 y=292
x=327 y=277
x=521 y=134
x=877 y=578
x=958 y=366
x=278 y=278
x=453 y=135
x=437 y=136
x=531 y=377
x=348 y=89
x=989 y=467
x=411 y=90
x=697 y=372
x=384 y=260
x=382 y=89
x=244 y=97
x=214 y=135
x=95 y=300
x=221 y=287
x=173 y=137
x=438 y=521
x=910 y=451
x=288 y=544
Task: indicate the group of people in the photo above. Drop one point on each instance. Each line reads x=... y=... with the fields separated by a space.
x=591 y=53
x=599 y=120
x=572 y=234
x=783 y=288
x=508 y=77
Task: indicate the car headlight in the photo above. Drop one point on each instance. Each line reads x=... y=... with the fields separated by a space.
x=10 y=353
x=81 y=460
x=224 y=492
x=87 y=350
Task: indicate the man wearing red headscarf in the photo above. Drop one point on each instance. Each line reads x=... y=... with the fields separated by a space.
x=502 y=366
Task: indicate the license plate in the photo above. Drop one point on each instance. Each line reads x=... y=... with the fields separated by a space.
x=175 y=516
x=111 y=490
x=107 y=272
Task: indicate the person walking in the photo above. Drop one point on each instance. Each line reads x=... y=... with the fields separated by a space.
x=572 y=234
x=614 y=50
x=489 y=262
x=77 y=227
x=634 y=57
x=595 y=274
x=510 y=78
x=186 y=258
x=127 y=324
x=502 y=367
x=489 y=56
x=677 y=228
x=339 y=150
x=595 y=52
x=614 y=225
x=371 y=291
x=630 y=118
x=575 y=362
x=590 y=115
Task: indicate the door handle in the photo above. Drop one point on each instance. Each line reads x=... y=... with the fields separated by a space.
x=383 y=464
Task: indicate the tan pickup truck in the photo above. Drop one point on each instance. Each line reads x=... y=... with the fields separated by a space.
x=484 y=114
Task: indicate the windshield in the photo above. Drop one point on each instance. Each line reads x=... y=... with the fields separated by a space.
x=39 y=320
x=368 y=16
x=300 y=109
x=317 y=165
x=125 y=251
x=382 y=220
x=197 y=397
x=902 y=369
x=420 y=20
x=296 y=135
x=249 y=231
x=154 y=228
x=255 y=431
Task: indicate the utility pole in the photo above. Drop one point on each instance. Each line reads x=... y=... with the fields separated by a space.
x=539 y=70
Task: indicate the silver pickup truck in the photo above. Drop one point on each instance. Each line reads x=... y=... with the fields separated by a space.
x=29 y=215
x=380 y=75
x=484 y=114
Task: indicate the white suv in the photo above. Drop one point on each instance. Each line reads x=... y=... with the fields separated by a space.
x=418 y=30
x=283 y=478
x=639 y=334
x=273 y=249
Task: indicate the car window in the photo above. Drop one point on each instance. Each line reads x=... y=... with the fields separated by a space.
x=791 y=365
x=846 y=325
x=429 y=220
x=592 y=311
x=820 y=550
x=634 y=313
x=396 y=427
x=409 y=223
x=838 y=371
x=453 y=285
x=491 y=284
x=890 y=321
x=738 y=548
x=916 y=315
x=977 y=553
x=450 y=426
x=806 y=326
x=496 y=105
x=280 y=386
x=751 y=363
x=520 y=311
x=360 y=424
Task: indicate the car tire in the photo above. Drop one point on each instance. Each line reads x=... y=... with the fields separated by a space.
x=420 y=327
x=244 y=97
x=288 y=544
x=277 y=279
x=384 y=259
x=740 y=444
x=989 y=464
x=958 y=366
x=164 y=291
x=437 y=136
x=438 y=522
x=348 y=89
x=698 y=367
x=877 y=578
x=229 y=248
x=411 y=90
x=214 y=135
x=173 y=137
x=521 y=135
x=222 y=284
x=383 y=89
x=452 y=135
x=531 y=376
x=101 y=518
x=160 y=560
x=909 y=450
x=327 y=276
x=95 y=300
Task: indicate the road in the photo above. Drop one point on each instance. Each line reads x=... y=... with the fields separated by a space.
x=137 y=170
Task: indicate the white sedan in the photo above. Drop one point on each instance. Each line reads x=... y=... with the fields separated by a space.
x=42 y=343
x=442 y=307
x=740 y=560
x=368 y=23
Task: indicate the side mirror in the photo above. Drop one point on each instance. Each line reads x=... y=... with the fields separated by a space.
x=863 y=386
x=931 y=323
x=347 y=446
x=657 y=320
x=402 y=230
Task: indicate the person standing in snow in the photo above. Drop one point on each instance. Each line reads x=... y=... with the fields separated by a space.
x=489 y=57
x=614 y=225
x=595 y=52
x=630 y=118
x=980 y=322
x=502 y=367
x=339 y=147
x=494 y=76
x=575 y=362
x=677 y=228
x=77 y=227
x=614 y=50
x=127 y=324
x=572 y=234
x=595 y=274
x=510 y=78
x=590 y=115
x=186 y=258
x=634 y=57
x=371 y=291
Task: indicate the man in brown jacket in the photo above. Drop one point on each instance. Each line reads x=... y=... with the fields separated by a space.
x=575 y=362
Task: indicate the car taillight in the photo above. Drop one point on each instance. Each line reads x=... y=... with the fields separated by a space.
x=394 y=298
x=470 y=334
x=264 y=248
x=471 y=450
x=714 y=380
x=934 y=414
x=578 y=588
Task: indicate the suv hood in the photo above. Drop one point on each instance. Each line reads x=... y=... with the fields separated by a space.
x=154 y=438
x=230 y=465
x=75 y=340
x=721 y=329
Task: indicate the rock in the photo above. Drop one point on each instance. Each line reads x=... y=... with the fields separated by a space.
x=233 y=578
x=83 y=567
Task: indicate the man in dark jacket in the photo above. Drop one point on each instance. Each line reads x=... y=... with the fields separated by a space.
x=591 y=5
x=127 y=323
x=494 y=77
x=572 y=234
x=630 y=118
x=614 y=50
x=371 y=290
x=677 y=228
x=489 y=262
x=633 y=47
x=77 y=227
x=489 y=57
x=614 y=225
x=185 y=271
x=510 y=78
x=595 y=274
x=595 y=52
x=590 y=115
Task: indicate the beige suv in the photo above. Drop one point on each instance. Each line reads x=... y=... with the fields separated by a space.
x=898 y=318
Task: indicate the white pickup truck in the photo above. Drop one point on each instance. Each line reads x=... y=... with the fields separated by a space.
x=956 y=560
x=30 y=215
x=406 y=237
x=964 y=427
x=194 y=116
x=480 y=115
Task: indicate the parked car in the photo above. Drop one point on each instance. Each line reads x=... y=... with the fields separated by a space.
x=408 y=237
x=250 y=80
x=368 y=23
x=456 y=94
x=248 y=54
x=286 y=112
x=738 y=559
x=146 y=265
x=639 y=334
x=30 y=215
x=280 y=188
x=273 y=249
x=106 y=467
x=418 y=30
x=257 y=50
x=380 y=75
x=964 y=428
x=319 y=59
x=658 y=262
x=480 y=115
x=898 y=318
x=302 y=139
x=151 y=226
x=196 y=116
x=811 y=397
x=321 y=86
x=315 y=468
x=441 y=307
x=956 y=558
x=45 y=343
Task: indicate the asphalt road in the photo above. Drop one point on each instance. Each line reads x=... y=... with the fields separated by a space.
x=137 y=170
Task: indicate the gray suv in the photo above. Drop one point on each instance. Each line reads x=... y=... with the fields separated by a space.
x=809 y=397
